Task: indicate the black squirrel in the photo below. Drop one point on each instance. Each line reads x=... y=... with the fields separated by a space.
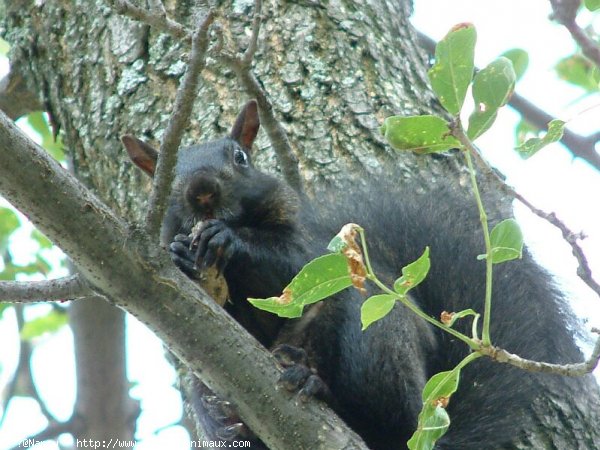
x=259 y=233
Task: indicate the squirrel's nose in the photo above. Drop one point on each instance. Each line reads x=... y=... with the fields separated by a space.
x=204 y=192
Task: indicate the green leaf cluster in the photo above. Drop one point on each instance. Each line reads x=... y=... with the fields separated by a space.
x=450 y=78
x=433 y=419
x=4 y=47
x=48 y=323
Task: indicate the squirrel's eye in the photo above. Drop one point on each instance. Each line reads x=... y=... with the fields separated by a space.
x=239 y=157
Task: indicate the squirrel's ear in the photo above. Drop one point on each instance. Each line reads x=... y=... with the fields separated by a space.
x=246 y=125
x=143 y=155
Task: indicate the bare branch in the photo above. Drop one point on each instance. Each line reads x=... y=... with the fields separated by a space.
x=16 y=99
x=253 y=45
x=583 y=271
x=60 y=289
x=242 y=66
x=579 y=146
x=157 y=19
x=565 y=13
x=178 y=122
x=570 y=370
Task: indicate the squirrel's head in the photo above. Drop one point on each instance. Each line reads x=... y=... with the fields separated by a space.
x=242 y=137
x=210 y=179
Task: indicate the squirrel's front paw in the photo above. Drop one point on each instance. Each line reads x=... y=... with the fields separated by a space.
x=183 y=256
x=297 y=375
x=215 y=243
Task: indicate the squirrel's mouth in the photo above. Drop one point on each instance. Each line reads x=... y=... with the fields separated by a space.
x=207 y=215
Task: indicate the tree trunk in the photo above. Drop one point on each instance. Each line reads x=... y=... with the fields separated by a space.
x=332 y=70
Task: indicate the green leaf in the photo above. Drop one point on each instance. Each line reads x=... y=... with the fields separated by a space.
x=480 y=121
x=507 y=241
x=4 y=307
x=344 y=238
x=39 y=123
x=534 y=145
x=42 y=240
x=421 y=134
x=592 y=5
x=579 y=71
x=337 y=244
x=432 y=427
x=433 y=419
x=519 y=59
x=492 y=87
x=525 y=130
x=452 y=72
x=413 y=274
x=4 y=47
x=375 y=308
x=319 y=279
x=50 y=323
x=11 y=270
x=9 y=222
x=442 y=384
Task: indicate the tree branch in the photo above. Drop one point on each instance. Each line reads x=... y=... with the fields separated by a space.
x=242 y=66
x=565 y=13
x=157 y=18
x=200 y=333
x=178 y=122
x=103 y=402
x=579 y=146
x=570 y=370
x=60 y=289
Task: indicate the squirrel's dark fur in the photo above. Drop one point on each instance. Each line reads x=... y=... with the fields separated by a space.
x=260 y=234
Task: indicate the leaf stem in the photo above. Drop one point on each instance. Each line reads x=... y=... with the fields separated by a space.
x=487 y=311
x=474 y=345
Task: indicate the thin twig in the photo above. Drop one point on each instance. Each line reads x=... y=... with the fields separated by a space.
x=253 y=45
x=570 y=370
x=583 y=271
x=156 y=18
x=242 y=66
x=61 y=289
x=580 y=146
x=178 y=122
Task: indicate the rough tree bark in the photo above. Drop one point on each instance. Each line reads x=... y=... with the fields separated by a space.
x=333 y=71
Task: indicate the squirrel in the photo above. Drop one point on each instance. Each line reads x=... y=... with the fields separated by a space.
x=259 y=233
